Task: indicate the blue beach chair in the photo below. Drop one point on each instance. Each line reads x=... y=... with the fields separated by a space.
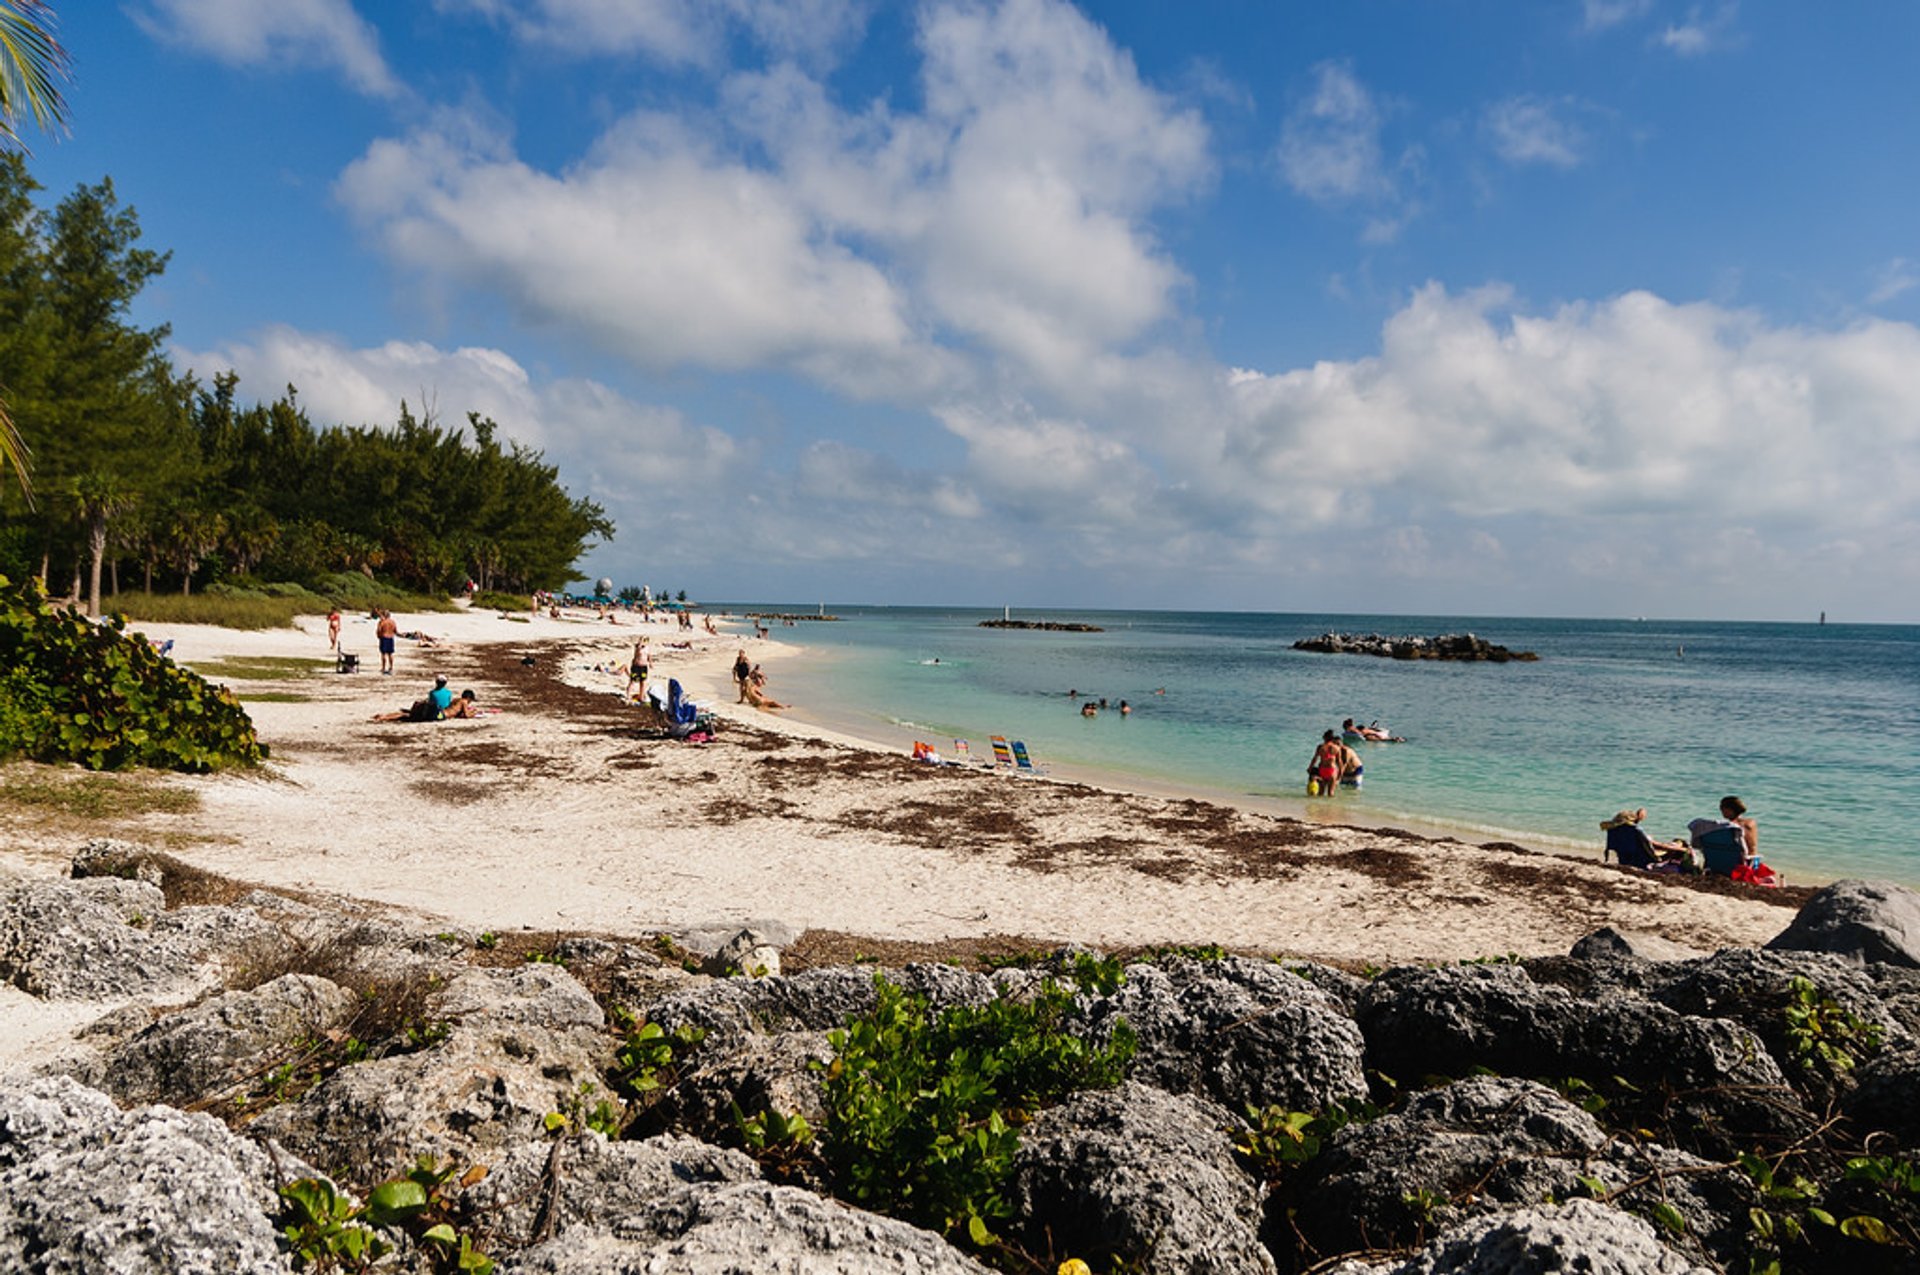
x=1722 y=850
x=1022 y=762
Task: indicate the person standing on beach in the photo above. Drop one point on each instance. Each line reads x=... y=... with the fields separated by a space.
x=637 y=670
x=333 y=626
x=386 y=631
x=742 y=670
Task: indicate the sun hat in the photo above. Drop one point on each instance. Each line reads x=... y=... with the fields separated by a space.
x=440 y=679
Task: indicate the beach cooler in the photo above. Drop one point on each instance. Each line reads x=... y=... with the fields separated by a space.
x=346 y=662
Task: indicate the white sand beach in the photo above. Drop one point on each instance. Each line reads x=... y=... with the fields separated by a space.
x=562 y=812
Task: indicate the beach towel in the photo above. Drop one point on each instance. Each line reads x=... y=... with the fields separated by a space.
x=1755 y=874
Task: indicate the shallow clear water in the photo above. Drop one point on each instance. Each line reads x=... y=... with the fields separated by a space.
x=1817 y=727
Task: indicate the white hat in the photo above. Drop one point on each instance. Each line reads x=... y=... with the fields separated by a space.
x=440 y=680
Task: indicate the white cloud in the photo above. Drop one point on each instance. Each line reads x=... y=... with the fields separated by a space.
x=1330 y=143
x=1600 y=14
x=870 y=252
x=1530 y=130
x=1633 y=407
x=604 y=433
x=1896 y=278
x=655 y=247
x=1703 y=32
x=326 y=33
x=692 y=32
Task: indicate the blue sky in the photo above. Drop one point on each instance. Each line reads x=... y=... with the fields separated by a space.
x=1587 y=308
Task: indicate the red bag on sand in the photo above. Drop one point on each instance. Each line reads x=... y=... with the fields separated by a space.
x=1755 y=874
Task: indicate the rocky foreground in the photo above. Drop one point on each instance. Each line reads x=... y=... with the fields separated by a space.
x=1629 y=1107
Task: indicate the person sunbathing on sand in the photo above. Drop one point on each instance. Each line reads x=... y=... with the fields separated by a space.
x=429 y=709
x=756 y=690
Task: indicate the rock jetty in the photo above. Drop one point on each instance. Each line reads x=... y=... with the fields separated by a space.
x=1446 y=646
x=1051 y=626
x=256 y=1069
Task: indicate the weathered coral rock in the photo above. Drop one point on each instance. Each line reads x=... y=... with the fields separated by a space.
x=89 y=940
x=214 y=1046
x=748 y=1227
x=1578 y=1236
x=1490 y=1143
x=1608 y=943
x=1143 y=1175
x=488 y=1086
x=86 y=1187
x=1860 y=920
x=1239 y=1031
x=588 y=1183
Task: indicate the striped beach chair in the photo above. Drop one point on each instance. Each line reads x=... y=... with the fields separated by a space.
x=1002 y=754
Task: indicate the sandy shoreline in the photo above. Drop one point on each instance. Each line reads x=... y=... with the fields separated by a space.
x=561 y=812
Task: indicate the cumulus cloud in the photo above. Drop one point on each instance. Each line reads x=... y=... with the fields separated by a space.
x=1531 y=130
x=584 y=420
x=327 y=33
x=690 y=32
x=1635 y=406
x=1009 y=214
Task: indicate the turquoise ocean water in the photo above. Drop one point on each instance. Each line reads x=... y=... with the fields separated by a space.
x=1817 y=727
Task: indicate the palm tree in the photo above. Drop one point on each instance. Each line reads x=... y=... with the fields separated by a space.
x=100 y=498
x=32 y=64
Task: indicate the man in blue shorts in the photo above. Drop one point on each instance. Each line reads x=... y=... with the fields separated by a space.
x=386 y=631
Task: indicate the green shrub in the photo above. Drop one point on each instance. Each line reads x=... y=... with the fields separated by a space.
x=73 y=691
x=494 y=600
x=923 y=1110
x=228 y=610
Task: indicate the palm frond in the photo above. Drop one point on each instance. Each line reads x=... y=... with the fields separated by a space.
x=32 y=67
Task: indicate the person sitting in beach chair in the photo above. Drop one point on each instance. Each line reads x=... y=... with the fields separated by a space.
x=1628 y=842
x=1729 y=845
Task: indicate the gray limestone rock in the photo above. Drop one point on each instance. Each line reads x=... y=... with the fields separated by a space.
x=1489 y=1143
x=1609 y=943
x=748 y=953
x=1239 y=1031
x=747 y=1229
x=106 y=857
x=1864 y=921
x=1886 y=1097
x=215 y=1045
x=537 y=995
x=89 y=940
x=593 y=1182
x=1578 y=1236
x=1140 y=1175
x=482 y=1089
x=763 y=1073
x=1454 y=1019
x=86 y=1189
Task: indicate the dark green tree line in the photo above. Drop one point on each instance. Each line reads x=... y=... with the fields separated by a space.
x=137 y=466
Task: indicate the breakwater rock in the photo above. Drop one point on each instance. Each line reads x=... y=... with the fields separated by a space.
x=258 y=1070
x=1446 y=646
x=1051 y=626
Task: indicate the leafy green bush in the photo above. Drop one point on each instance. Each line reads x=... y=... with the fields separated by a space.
x=923 y=1110
x=494 y=600
x=72 y=691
